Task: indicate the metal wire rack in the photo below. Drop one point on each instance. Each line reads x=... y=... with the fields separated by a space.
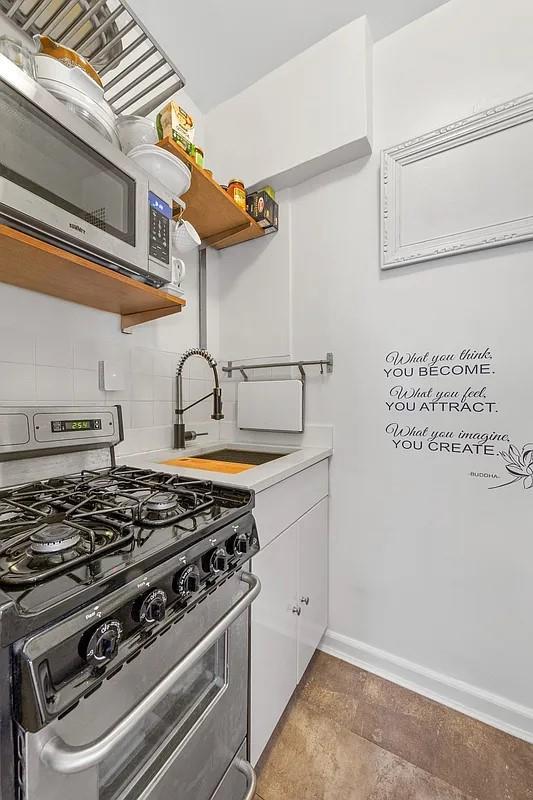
x=137 y=75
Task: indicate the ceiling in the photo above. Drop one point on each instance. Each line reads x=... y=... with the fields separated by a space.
x=223 y=47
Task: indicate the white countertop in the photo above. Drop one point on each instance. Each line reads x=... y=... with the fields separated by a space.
x=257 y=478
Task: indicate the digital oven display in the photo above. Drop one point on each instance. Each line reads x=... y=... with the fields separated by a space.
x=72 y=425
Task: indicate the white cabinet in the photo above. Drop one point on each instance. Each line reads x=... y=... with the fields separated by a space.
x=312 y=582
x=274 y=638
x=282 y=504
x=288 y=618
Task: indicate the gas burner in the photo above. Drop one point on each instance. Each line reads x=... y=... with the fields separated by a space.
x=42 y=553
x=161 y=508
x=162 y=502
x=54 y=539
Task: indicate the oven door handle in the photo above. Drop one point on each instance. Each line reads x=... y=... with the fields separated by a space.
x=67 y=759
x=249 y=773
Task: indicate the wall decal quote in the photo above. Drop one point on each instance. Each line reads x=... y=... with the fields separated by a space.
x=429 y=384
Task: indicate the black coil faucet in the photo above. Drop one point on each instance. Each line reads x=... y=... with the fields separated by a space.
x=181 y=436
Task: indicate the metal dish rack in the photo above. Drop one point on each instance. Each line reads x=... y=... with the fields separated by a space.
x=137 y=75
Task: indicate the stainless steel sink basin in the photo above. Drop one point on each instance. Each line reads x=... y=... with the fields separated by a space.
x=235 y=456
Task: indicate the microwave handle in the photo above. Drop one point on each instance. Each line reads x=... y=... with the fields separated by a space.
x=251 y=779
x=67 y=759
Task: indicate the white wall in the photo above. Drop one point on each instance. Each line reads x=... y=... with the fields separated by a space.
x=255 y=281
x=50 y=349
x=431 y=572
x=307 y=116
x=265 y=39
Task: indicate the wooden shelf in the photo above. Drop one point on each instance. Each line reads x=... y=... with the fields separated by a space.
x=41 y=267
x=220 y=222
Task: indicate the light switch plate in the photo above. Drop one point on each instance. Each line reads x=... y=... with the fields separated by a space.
x=111 y=376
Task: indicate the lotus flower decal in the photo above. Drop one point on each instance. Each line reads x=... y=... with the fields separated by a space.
x=519 y=464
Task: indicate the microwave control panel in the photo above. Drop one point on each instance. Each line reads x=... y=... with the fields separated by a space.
x=159 y=228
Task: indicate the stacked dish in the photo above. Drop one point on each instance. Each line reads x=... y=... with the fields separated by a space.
x=72 y=80
x=169 y=170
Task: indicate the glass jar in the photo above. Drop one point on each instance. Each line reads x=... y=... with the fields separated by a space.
x=18 y=54
x=199 y=156
x=237 y=192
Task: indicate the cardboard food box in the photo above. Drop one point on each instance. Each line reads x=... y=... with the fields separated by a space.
x=264 y=209
x=174 y=122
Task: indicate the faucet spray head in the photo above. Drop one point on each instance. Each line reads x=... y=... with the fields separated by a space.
x=217 y=404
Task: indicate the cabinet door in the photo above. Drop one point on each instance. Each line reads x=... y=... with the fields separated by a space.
x=274 y=650
x=312 y=582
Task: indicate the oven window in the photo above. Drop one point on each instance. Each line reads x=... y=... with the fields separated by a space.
x=161 y=733
x=40 y=155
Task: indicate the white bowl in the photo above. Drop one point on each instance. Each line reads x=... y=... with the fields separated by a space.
x=49 y=69
x=134 y=131
x=168 y=169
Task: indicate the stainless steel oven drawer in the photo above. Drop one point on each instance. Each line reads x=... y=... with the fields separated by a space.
x=239 y=781
x=182 y=745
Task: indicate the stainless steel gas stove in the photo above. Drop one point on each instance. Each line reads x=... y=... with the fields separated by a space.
x=123 y=626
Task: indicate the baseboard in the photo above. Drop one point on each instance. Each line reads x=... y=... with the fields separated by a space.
x=490 y=708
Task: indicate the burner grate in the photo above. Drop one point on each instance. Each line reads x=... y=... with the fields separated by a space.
x=50 y=527
x=144 y=488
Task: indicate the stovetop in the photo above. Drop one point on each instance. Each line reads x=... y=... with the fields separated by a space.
x=98 y=528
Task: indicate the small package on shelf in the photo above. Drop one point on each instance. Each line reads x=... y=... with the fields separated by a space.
x=264 y=209
x=174 y=122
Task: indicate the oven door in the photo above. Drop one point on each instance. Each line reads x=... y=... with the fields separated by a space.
x=154 y=733
x=60 y=177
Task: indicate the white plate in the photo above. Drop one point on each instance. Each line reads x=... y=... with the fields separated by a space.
x=168 y=169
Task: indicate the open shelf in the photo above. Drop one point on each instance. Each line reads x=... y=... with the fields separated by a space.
x=220 y=222
x=32 y=264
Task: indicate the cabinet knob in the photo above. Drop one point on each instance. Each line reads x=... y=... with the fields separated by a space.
x=304 y=600
x=296 y=610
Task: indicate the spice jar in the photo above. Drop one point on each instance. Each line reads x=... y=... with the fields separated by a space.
x=237 y=192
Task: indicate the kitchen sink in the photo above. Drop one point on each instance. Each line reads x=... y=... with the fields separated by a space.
x=234 y=456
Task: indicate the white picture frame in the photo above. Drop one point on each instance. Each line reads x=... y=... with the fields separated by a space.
x=463 y=187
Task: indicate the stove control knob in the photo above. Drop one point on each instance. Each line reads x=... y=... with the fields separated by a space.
x=151 y=608
x=102 y=645
x=187 y=582
x=217 y=561
x=240 y=544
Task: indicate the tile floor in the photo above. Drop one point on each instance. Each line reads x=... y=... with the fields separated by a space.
x=349 y=735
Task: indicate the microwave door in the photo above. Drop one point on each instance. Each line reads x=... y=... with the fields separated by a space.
x=59 y=176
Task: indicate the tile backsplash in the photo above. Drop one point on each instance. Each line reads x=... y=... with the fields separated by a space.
x=55 y=370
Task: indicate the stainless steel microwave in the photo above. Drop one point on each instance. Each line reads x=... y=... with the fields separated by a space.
x=61 y=181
